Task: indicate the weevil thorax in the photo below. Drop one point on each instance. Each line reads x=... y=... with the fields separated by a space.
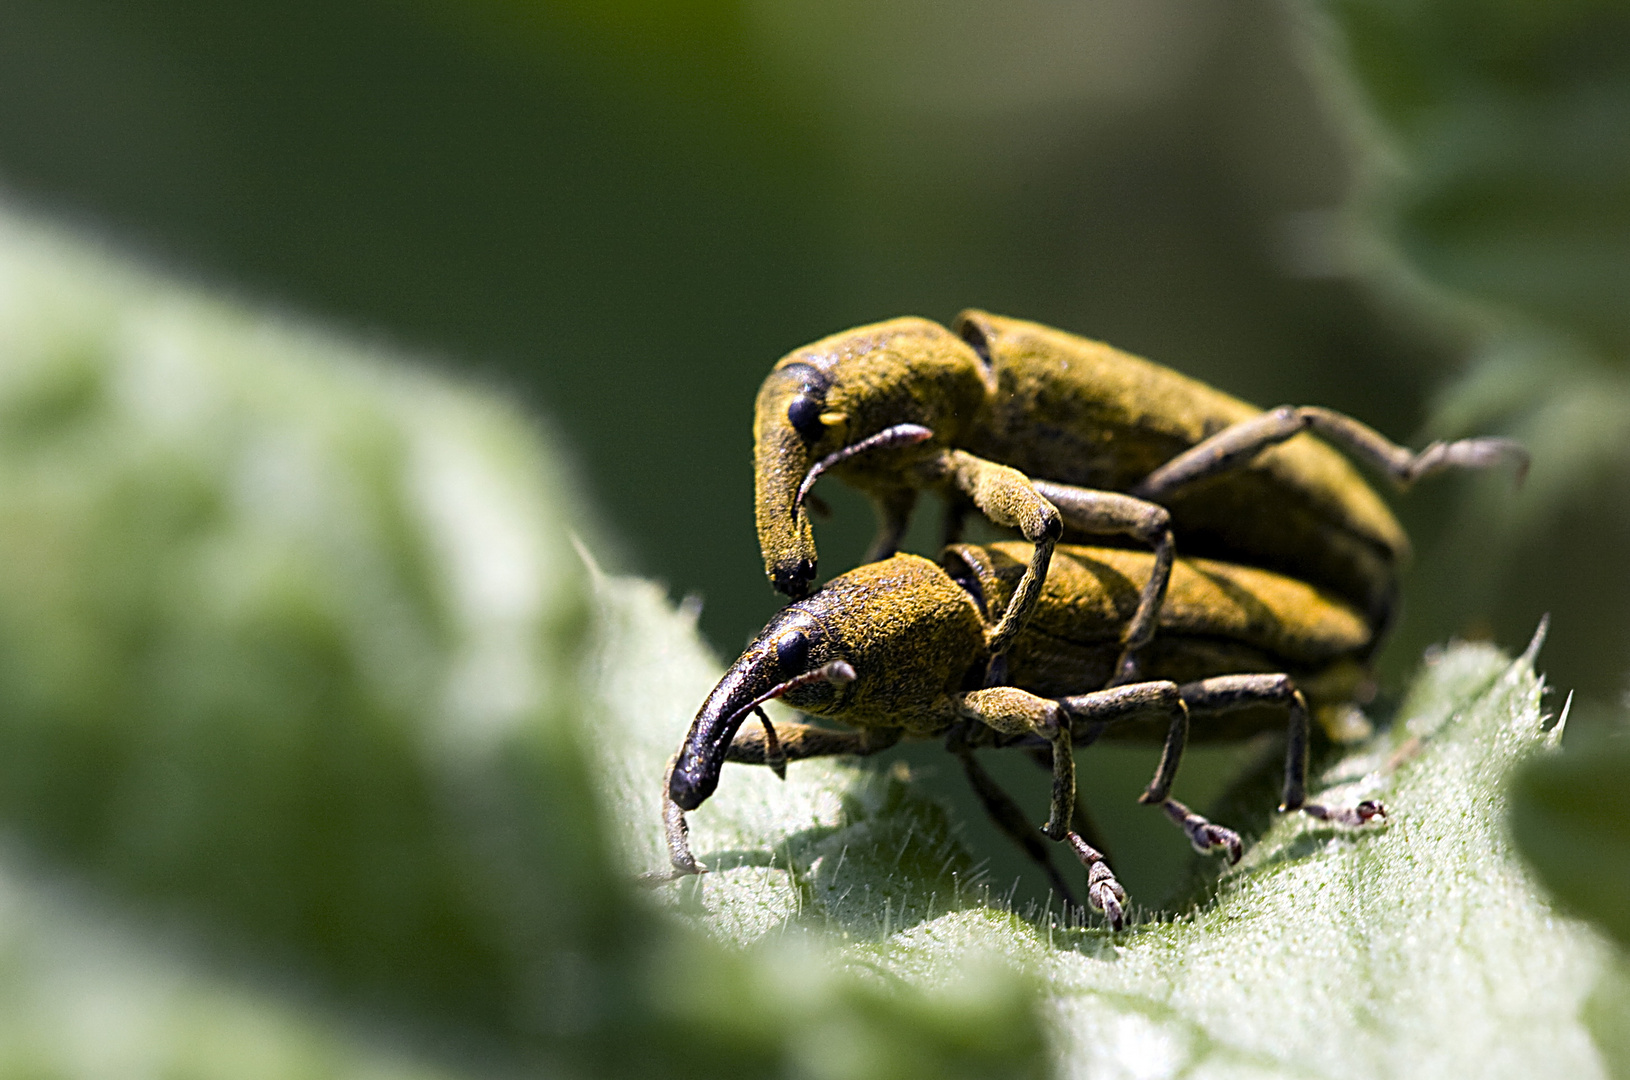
x=837 y=392
x=909 y=634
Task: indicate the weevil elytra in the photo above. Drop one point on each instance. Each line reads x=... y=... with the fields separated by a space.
x=901 y=648
x=1117 y=446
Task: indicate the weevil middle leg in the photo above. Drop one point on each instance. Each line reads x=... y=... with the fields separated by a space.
x=1133 y=701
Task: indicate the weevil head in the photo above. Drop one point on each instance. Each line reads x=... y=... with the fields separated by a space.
x=881 y=646
x=829 y=396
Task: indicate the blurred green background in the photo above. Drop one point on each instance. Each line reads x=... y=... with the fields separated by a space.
x=621 y=214
x=628 y=212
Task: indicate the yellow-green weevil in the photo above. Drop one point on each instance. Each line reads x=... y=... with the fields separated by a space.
x=901 y=648
x=1061 y=437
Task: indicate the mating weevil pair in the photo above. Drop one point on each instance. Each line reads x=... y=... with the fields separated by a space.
x=1064 y=438
x=990 y=649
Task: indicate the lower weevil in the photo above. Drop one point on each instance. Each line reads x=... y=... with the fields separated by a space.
x=900 y=648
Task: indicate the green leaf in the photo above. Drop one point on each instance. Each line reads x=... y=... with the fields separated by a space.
x=273 y=604
x=85 y=993
x=1324 y=952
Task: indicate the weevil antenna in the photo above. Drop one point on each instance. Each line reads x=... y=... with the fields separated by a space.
x=836 y=672
x=888 y=438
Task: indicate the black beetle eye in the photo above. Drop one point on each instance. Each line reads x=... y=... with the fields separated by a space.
x=792 y=652
x=805 y=414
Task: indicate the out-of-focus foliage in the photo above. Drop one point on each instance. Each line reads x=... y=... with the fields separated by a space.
x=290 y=721
x=1571 y=813
x=280 y=632
x=1495 y=140
x=1506 y=130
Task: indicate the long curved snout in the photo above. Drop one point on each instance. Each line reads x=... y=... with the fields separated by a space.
x=783 y=455
x=696 y=772
x=757 y=677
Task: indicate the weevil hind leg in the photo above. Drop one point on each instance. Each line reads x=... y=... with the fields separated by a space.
x=1007 y=815
x=1228 y=692
x=1235 y=446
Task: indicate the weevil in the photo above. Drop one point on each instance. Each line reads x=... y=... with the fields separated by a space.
x=901 y=648
x=1061 y=437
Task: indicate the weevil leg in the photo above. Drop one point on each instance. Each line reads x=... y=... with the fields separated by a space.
x=796 y=742
x=1109 y=513
x=1092 y=713
x=1007 y=497
x=894 y=508
x=1228 y=692
x=1016 y=712
x=1236 y=445
x=1133 y=700
x=956 y=516
x=774 y=756
x=1011 y=711
x=1205 y=837
x=1103 y=891
x=1006 y=814
x=677 y=833
x=763 y=746
x=1081 y=822
x=1084 y=827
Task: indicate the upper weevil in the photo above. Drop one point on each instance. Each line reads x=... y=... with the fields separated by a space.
x=1050 y=434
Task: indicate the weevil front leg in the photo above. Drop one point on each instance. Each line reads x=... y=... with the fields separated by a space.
x=1108 y=513
x=1081 y=822
x=894 y=507
x=1236 y=445
x=677 y=834
x=1008 y=498
x=1104 y=893
x=766 y=745
x=1229 y=692
x=771 y=746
